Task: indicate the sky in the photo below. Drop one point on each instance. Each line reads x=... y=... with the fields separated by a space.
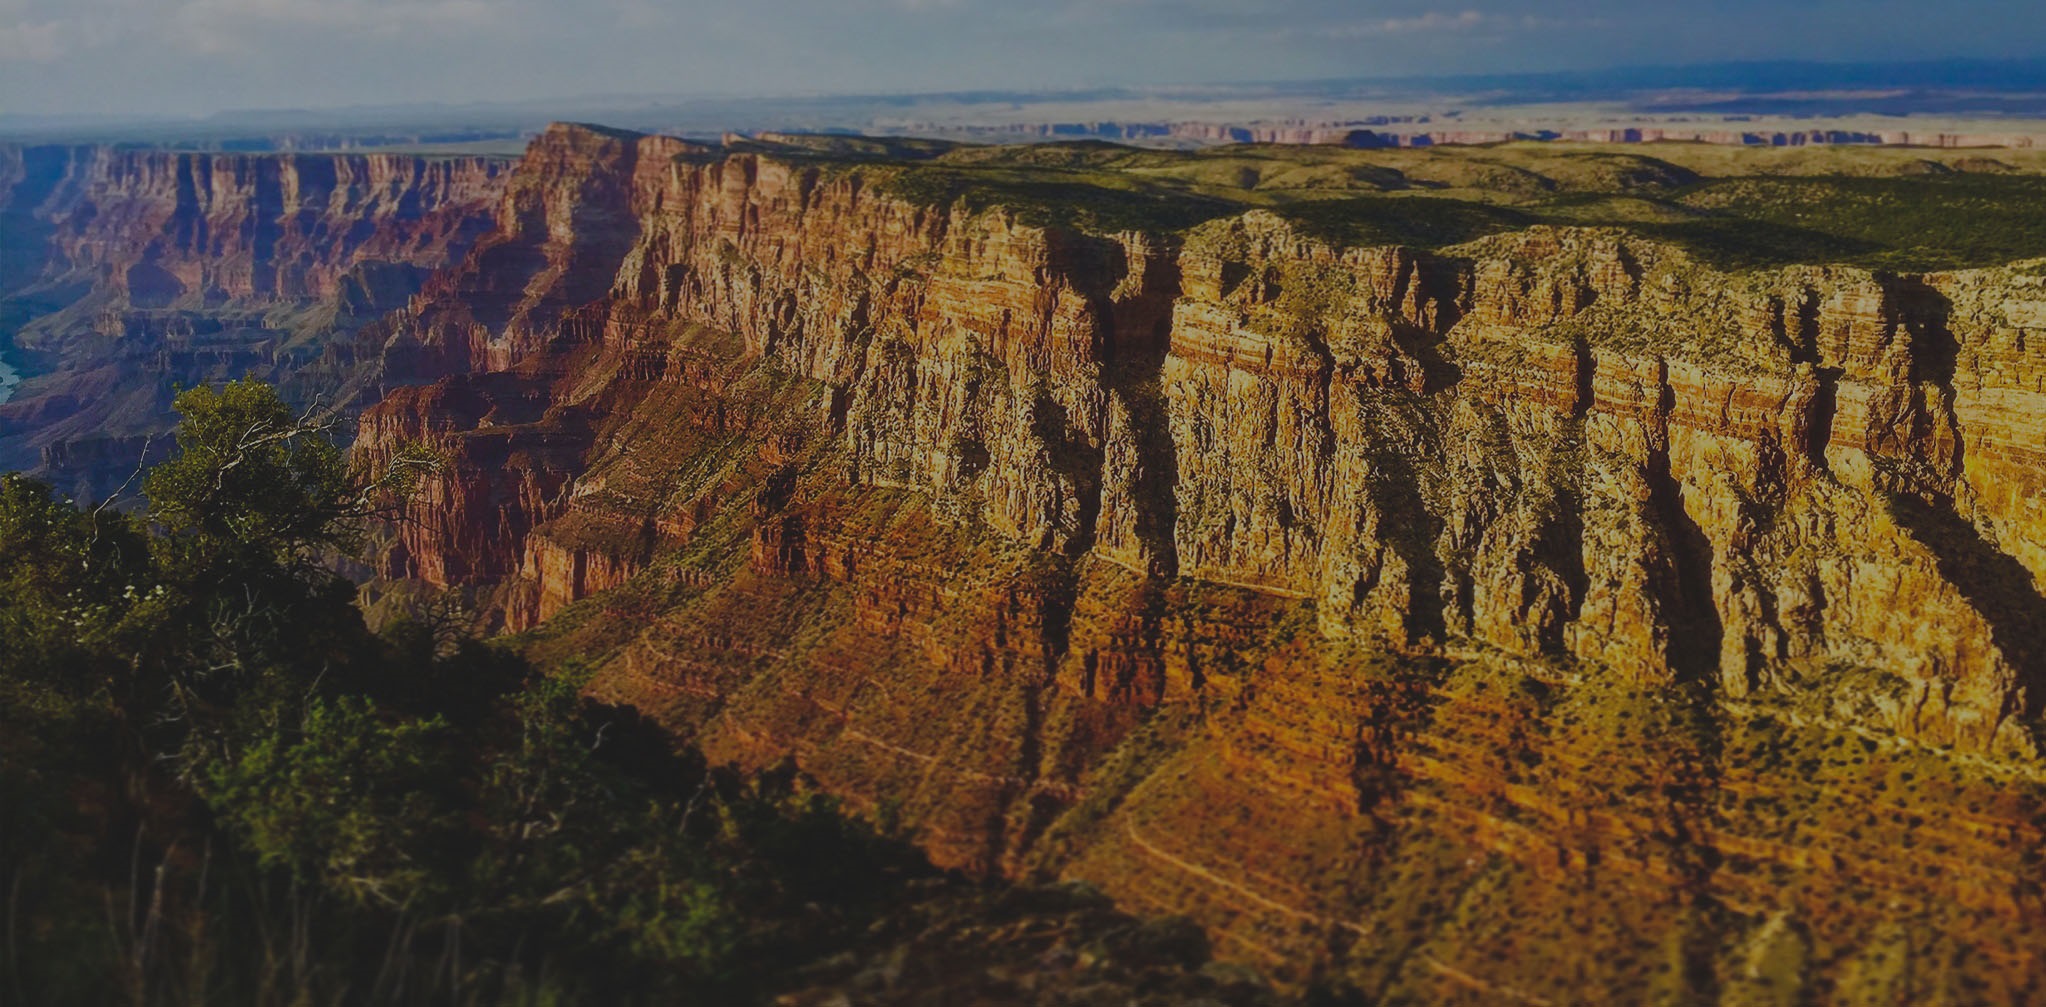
x=188 y=57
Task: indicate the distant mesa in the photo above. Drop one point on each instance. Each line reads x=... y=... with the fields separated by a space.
x=1373 y=133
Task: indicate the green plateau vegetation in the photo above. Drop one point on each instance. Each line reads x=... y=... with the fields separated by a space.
x=221 y=787
x=1895 y=209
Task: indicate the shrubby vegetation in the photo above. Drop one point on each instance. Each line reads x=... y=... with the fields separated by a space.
x=219 y=786
x=1733 y=207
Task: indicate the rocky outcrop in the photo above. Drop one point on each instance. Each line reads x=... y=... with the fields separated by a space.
x=1641 y=464
x=1536 y=616
x=1557 y=443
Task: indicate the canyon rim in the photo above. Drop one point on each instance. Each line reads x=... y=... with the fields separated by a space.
x=1541 y=566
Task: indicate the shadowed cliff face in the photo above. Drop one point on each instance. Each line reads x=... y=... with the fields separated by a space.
x=126 y=272
x=1545 y=618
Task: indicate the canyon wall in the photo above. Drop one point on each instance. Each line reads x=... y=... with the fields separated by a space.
x=128 y=271
x=1561 y=443
x=1549 y=617
x=164 y=227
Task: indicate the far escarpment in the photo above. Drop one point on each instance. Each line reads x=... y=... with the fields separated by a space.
x=1387 y=606
x=126 y=272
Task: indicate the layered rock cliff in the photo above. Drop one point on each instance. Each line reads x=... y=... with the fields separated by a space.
x=163 y=228
x=1412 y=615
x=127 y=271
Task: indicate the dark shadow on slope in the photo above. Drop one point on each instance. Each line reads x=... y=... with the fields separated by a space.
x=1696 y=630
x=1695 y=627
x=1411 y=529
x=1994 y=583
x=1825 y=407
x=1438 y=281
x=1078 y=464
x=24 y=231
x=1140 y=338
x=1157 y=516
x=1918 y=452
x=1560 y=547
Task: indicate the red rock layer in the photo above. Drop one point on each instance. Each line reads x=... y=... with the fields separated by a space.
x=168 y=227
x=1476 y=624
x=136 y=271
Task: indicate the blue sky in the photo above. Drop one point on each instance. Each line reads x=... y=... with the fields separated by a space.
x=196 y=56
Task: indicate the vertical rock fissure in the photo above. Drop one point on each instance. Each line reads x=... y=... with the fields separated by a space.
x=1139 y=339
x=1696 y=629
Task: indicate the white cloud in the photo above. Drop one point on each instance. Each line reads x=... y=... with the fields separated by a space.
x=1431 y=21
x=217 y=26
x=53 y=31
x=356 y=14
x=44 y=39
x=642 y=15
x=1444 y=22
x=197 y=55
x=45 y=42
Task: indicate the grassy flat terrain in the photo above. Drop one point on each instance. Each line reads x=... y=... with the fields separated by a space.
x=1903 y=209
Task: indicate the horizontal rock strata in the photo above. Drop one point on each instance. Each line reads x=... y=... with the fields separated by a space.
x=1549 y=617
x=127 y=272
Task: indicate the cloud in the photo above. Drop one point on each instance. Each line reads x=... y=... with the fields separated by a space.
x=54 y=31
x=350 y=14
x=220 y=26
x=1431 y=21
x=641 y=15
x=200 y=55
x=45 y=42
x=47 y=37
x=1466 y=21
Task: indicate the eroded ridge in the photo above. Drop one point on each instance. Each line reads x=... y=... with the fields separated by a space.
x=1403 y=589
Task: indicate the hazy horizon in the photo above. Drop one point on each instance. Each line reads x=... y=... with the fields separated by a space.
x=143 y=58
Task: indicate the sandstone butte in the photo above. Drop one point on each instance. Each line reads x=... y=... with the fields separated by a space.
x=1545 y=619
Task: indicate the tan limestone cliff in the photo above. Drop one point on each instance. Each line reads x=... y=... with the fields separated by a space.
x=1549 y=614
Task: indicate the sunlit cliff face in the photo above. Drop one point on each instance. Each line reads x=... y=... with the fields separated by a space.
x=1533 y=608
x=1548 y=615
